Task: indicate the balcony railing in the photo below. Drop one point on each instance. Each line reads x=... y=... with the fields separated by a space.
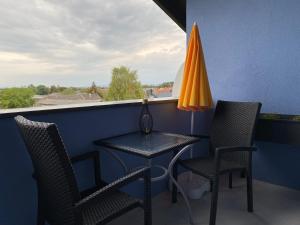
x=80 y=125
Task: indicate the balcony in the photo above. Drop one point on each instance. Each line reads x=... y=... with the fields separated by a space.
x=274 y=165
x=252 y=54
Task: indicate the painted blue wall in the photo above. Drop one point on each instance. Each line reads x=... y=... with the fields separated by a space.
x=252 y=53
x=277 y=164
x=252 y=50
x=78 y=130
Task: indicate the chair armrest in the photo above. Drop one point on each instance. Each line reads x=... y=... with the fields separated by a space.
x=111 y=187
x=92 y=155
x=228 y=149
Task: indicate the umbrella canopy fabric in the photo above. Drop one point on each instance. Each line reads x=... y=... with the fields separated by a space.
x=195 y=92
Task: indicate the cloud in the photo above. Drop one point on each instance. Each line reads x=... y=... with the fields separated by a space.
x=80 y=41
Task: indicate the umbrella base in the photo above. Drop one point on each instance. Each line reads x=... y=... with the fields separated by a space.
x=194 y=186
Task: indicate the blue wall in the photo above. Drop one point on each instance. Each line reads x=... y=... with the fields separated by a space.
x=252 y=53
x=277 y=164
x=78 y=130
x=252 y=50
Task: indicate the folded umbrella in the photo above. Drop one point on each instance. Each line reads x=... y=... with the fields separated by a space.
x=195 y=92
x=194 y=95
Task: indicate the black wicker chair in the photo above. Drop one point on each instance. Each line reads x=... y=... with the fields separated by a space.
x=231 y=147
x=59 y=200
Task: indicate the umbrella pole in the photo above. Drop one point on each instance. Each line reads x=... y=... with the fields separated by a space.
x=192 y=129
x=192 y=133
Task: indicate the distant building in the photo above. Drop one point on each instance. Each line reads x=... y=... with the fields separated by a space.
x=63 y=99
x=159 y=92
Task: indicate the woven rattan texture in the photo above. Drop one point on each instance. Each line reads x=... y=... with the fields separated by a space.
x=55 y=177
x=233 y=125
x=57 y=188
x=206 y=166
x=109 y=206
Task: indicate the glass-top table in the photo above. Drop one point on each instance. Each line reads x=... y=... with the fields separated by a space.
x=147 y=145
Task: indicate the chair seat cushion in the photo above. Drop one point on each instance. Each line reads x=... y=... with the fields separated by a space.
x=205 y=166
x=108 y=208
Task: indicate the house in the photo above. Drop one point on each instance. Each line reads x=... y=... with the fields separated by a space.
x=64 y=99
x=159 y=92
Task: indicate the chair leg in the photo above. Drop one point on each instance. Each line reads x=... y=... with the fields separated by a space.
x=230 y=180
x=174 y=188
x=40 y=214
x=147 y=199
x=249 y=191
x=40 y=219
x=214 y=201
x=211 y=183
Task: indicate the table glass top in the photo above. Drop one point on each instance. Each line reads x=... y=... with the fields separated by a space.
x=147 y=144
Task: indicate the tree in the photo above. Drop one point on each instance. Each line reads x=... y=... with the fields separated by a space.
x=42 y=90
x=16 y=98
x=68 y=91
x=60 y=89
x=31 y=86
x=166 y=84
x=124 y=85
x=93 y=89
x=53 y=89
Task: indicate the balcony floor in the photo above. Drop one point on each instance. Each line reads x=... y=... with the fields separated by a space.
x=273 y=205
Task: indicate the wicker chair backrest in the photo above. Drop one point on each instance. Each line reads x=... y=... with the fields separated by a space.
x=56 y=182
x=234 y=125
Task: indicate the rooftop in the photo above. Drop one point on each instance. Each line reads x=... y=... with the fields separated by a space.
x=63 y=99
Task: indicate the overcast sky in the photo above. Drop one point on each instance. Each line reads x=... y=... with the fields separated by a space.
x=75 y=42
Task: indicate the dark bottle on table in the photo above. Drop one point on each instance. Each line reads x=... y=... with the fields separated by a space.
x=146 y=120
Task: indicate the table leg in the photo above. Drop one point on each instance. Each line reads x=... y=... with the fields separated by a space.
x=117 y=158
x=170 y=172
x=148 y=164
x=175 y=175
x=158 y=178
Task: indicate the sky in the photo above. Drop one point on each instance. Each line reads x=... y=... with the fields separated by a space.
x=76 y=42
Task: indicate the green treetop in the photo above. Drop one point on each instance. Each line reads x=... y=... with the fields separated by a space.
x=124 y=85
x=16 y=98
x=42 y=90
